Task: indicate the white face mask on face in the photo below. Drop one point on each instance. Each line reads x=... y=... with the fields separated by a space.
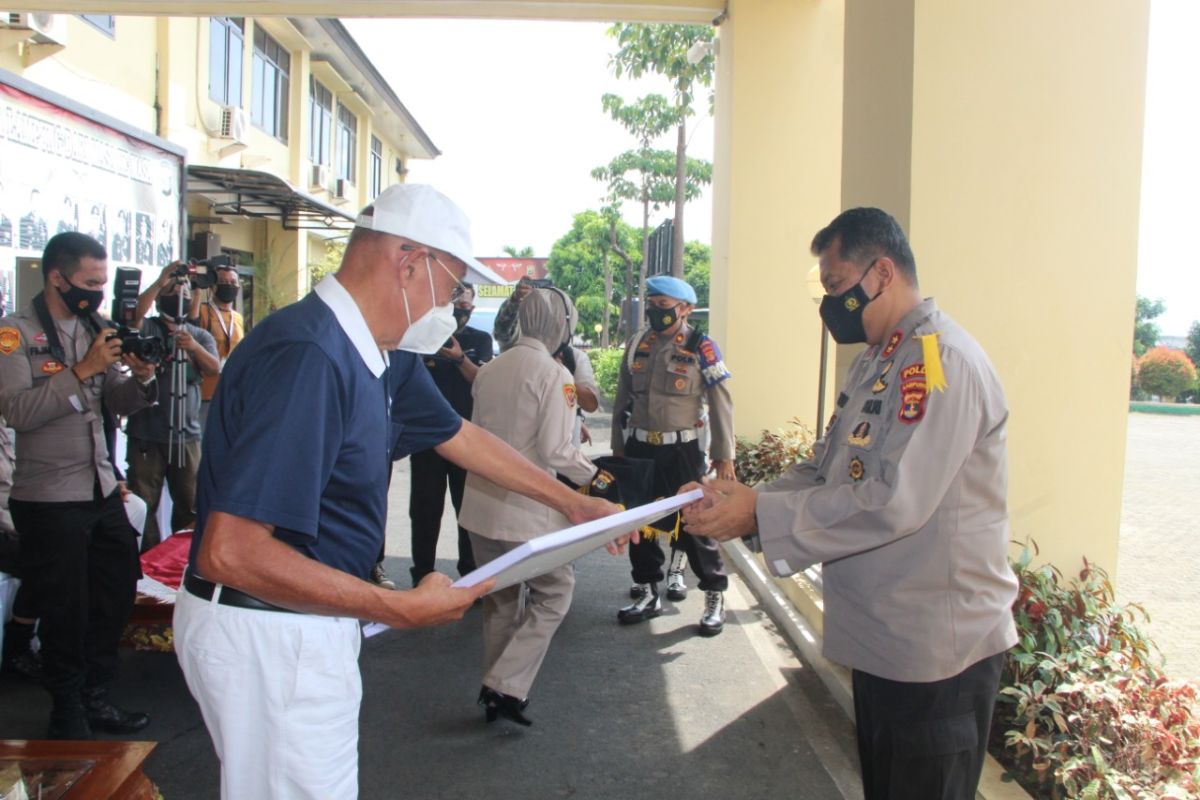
x=428 y=333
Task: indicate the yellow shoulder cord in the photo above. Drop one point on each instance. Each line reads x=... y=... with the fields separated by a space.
x=935 y=377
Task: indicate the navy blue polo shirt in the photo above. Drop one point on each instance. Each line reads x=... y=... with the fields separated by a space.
x=300 y=436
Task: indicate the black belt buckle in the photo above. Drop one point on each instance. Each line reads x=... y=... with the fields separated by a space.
x=229 y=596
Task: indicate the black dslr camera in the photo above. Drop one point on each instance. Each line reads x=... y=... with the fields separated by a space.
x=202 y=274
x=149 y=348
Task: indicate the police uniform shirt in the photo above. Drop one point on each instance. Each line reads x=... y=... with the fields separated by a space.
x=527 y=399
x=61 y=450
x=667 y=384
x=904 y=502
x=476 y=346
x=300 y=435
x=154 y=424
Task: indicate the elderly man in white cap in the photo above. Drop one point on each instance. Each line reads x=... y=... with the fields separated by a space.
x=292 y=500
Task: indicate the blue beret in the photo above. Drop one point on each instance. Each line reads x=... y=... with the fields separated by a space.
x=671 y=287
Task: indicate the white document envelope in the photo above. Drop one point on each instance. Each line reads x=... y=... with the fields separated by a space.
x=552 y=550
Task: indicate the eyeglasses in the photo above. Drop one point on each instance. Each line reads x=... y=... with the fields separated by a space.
x=459 y=289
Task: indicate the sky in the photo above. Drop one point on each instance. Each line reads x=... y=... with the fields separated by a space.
x=514 y=107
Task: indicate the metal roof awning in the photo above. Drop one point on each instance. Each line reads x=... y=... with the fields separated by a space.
x=260 y=195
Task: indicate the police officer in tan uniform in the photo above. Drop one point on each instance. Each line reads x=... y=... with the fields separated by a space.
x=669 y=371
x=904 y=503
x=527 y=398
x=58 y=363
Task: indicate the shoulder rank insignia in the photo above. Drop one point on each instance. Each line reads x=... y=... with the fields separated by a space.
x=569 y=394
x=10 y=340
x=861 y=435
x=892 y=344
x=913 y=393
x=712 y=368
x=880 y=383
x=857 y=470
x=53 y=367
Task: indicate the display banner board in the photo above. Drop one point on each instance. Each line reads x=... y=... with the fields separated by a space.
x=63 y=171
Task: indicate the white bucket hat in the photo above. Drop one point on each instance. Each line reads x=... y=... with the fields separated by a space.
x=423 y=214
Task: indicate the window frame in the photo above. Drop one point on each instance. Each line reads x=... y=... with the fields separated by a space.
x=271 y=66
x=320 y=123
x=108 y=28
x=345 y=143
x=375 y=167
x=229 y=92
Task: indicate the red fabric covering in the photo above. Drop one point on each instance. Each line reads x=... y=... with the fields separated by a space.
x=166 y=562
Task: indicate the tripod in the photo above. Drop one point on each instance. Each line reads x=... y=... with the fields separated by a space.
x=177 y=410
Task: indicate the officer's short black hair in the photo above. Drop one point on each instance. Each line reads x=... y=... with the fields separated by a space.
x=65 y=250
x=468 y=287
x=865 y=234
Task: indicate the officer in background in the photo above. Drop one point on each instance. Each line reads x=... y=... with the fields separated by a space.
x=668 y=372
x=57 y=365
x=453 y=369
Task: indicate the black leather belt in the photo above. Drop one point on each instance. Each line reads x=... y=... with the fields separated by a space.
x=229 y=596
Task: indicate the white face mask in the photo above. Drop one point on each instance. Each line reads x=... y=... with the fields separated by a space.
x=428 y=333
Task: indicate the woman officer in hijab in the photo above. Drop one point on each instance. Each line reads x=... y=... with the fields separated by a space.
x=528 y=399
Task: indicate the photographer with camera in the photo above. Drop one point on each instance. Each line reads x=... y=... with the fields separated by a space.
x=59 y=364
x=216 y=314
x=164 y=441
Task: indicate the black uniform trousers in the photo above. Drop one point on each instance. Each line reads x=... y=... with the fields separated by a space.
x=81 y=561
x=925 y=741
x=675 y=465
x=430 y=475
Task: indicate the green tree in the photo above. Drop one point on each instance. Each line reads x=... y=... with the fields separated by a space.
x=328 y=263
x=1192 y=348
x=1145 y=332
x=697 y=265
x=663 y=49
x=580 y=264
x=524 y=252
x=1166 y=373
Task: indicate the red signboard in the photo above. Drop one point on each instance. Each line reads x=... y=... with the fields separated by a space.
x=512 y=269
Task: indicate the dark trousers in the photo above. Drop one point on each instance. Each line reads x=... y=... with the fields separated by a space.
x=150 y=463
x=925 y=741
x=430 y=475
x=81 y=562
x=674 y=466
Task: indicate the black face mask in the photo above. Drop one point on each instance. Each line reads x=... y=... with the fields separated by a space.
x=171 y=306
x=661 y=318
x=227 y=292
x=461 y=315
x=843 y=313
x=82 y=302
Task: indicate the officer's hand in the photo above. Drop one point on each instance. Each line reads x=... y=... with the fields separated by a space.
x=143 y=370
x=583 y=508
x=724 y=470
x=433 y=602
x=522 y=291
x=104 y=352
x=726 y=512
x=453 y=352
x=585 y=436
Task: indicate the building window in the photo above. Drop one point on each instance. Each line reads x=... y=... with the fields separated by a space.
x=347 y=139
x=376 y=167
x=320 y=121
x=269 y=98
x=105 y=23
x=225 y=40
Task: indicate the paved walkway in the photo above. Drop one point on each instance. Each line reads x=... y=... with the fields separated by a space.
x=620 y=713
x=1159 y=558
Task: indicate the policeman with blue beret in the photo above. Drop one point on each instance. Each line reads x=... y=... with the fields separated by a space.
x=670 y=372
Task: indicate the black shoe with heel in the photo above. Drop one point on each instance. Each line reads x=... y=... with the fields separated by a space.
x=496 y=705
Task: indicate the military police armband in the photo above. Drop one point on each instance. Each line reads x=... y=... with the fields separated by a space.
x=712 y=368
x=604 y=485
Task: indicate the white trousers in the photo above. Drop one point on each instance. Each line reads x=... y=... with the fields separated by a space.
x=280 y=695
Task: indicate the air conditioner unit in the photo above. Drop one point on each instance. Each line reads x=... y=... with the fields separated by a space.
x=320 y=177
x=233 y=124
x=342 y=189
x=46 y=28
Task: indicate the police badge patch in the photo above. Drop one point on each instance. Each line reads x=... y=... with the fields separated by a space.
x=569 y=394
x=857 y=470
x=53 y=367
x=10 y=340
x=913 y=393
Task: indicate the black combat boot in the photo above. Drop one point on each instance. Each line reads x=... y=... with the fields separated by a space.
x=104 y=716
x=68 y=719
x=648 y=606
